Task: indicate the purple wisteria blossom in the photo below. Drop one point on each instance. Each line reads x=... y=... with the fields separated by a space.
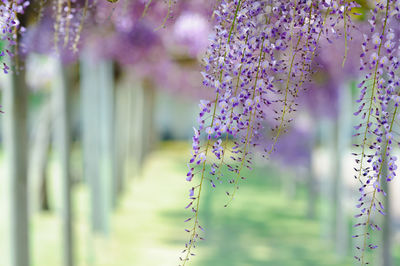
x=10 y=28
x=257 y=62
x=378 y=113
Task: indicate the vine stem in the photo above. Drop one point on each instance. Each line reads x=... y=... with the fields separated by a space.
x=78 y=34
x=302 y=78
x=250 y=128
x=196 y=219
x=293 y=54
x=231 y=114
x=285 y=105
x=66 y=37
x=40 y=12
x=372 y=94
x=166 y=16
x=374 y=193
x=57 y=23
x=146 y=7
x=363 y=262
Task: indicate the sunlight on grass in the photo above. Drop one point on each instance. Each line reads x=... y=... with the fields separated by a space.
x=260 y=227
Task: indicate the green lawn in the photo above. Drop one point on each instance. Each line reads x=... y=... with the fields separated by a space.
x=260 y=227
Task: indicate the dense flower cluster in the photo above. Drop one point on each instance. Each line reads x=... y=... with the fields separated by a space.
x=257 y=62
x=10 y=26
x=378 y=103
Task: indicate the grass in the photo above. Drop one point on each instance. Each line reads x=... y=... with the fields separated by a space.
x=261 y=227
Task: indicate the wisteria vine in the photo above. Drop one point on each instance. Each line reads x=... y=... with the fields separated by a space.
x=378 y=103
x=258 y=61
x=69 y=17
x=10 y=27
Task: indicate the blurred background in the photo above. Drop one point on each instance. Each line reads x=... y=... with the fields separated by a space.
x=95 y=144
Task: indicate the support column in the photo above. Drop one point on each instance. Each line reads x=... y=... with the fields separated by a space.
x=15 y=146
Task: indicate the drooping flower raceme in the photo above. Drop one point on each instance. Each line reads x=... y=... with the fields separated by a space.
x=378 y=104
x=69 y=18
x=10 y=28
x=257 y=61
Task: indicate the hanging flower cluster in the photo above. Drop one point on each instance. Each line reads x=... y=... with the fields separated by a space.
x=68 y=20
x=10 y=26
x=378 y=104
x=71 y=14
x=257 y=63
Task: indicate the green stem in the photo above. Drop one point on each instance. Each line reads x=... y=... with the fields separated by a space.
x=250 y=128
x=193 y=235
